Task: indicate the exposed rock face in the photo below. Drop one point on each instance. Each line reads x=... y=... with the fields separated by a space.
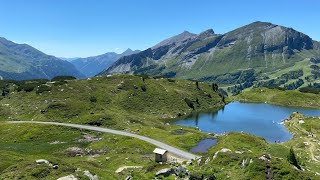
x=257 y=45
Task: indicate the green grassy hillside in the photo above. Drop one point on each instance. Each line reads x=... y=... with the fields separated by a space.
x=21 y=61
x=143 y=106
x=256 y=55
x=279 y=97
x=116 y=101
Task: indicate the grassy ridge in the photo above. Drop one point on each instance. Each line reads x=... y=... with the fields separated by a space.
x=279 y=97
x=130 y=103
x=142 y=106
x=116 y=101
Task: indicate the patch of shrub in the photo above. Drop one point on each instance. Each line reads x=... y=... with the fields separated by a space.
x=196 y=175
x=292 y=74
x=169 y=74
x=63 y=78
x=197 y=85
x=57 y=105
x=314 y=67
x=171 y=80
x=93 y=99
x=28 y=87
x=5 y=91
x=310 y=90
x=143 y=77
x=208 y=95
x=101 y=121
x=143 y=88
x=189 y=103
x=294 y=85
x=215 y=87
x=42 y=88
x=315 y=60
x=292 y=158
x=222 y=92
x=40 y=172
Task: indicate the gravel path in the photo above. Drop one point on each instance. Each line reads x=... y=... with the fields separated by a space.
x=173 y=150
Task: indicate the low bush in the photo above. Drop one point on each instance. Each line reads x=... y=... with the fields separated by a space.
x=189 y=103
x=310 y=90
x=63 y=78
x=93 y=99
x=43 y=88
x=143 y=88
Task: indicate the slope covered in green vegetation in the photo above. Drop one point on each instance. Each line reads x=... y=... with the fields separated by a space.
x=141 y=105
x=116 y=101
x=21 y=61
x=279 y=97
x=258 y=54
x=243 y=156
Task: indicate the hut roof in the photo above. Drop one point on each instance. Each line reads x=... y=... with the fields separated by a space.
x=159 y=151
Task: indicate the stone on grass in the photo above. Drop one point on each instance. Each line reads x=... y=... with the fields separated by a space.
x=224 y=150
x=165 y=172
x=42 y=161
x=90 y=176
x=69 y=177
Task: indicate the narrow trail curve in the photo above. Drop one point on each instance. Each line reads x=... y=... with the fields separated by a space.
x=173 y=150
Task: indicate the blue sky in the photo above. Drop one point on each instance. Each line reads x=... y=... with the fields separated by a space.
x=80 y=28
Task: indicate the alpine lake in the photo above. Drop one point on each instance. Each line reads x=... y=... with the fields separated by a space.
x=262 y=120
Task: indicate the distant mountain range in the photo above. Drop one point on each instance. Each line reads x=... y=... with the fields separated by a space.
x=247 y=56
x=91 y=66
x=258 y=54
x=21 y=61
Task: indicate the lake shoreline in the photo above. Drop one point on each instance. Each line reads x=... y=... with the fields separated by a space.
x=253 y=118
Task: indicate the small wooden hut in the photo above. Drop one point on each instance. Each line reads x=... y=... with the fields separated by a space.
x=161 y=155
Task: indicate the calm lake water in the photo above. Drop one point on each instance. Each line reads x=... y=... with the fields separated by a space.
x=258 y=119
x=204 y=145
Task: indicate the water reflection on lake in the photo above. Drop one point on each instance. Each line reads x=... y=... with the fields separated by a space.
x=258 y=119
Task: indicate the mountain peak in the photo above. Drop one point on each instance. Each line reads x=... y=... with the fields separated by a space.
x=206 y=33
x=127 y=51
x=175 y=39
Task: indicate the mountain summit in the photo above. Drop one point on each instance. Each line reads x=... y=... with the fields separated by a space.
x=260 y=45
x=244 y=56
x=91 y=66
x=175 y=39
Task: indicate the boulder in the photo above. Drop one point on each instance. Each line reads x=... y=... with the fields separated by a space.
x=181 y=170
x=69 y=177
x=165 y=172
x=207 y=161
x=265 y=158
x=224 y=150
x=90 y=176
x=42 y=161
x=74 y=151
